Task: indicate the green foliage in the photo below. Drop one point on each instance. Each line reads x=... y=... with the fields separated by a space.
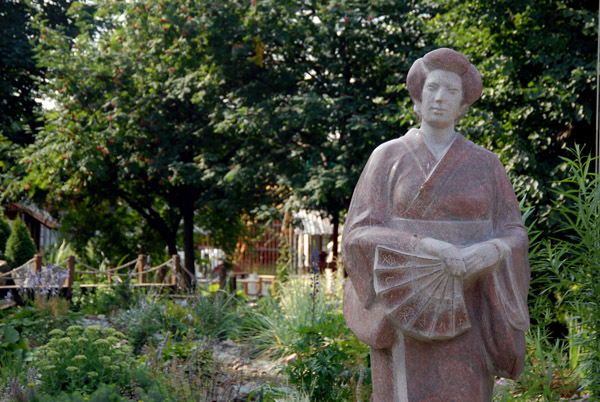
x=4 y=235
x=13 y=352
x=272 y=327
x=140 y=90
x=339 y=70
x=17 y=70
x=105 y=300
x=20 y=247
x=36 y=320
x=141 y=323
x=187 y=371
x=323 y=365
x=216 y=315
x=81 y=360
x=574 y=260
x=538 y=62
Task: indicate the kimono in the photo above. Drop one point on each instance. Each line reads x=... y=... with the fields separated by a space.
x=434 y=336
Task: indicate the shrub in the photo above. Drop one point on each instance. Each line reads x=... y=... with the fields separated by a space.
x=273 y=327
x=20 y=247
x=81 y=360
x=215 y=315
x=330 y=362
x=104 y=300
x=4 y=235
x=34 y=322
x=141 y=323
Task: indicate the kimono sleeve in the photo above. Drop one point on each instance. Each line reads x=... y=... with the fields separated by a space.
x=367 y=223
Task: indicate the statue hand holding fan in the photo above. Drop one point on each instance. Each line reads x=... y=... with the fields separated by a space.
x=422 y=293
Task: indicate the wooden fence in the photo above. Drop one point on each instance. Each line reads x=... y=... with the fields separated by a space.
x=34 y=275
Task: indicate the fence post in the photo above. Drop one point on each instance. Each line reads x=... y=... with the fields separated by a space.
x=37 y=263
x=70 y=275
x=141 y=262
x=176 y=278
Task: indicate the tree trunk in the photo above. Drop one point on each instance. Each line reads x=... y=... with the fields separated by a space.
x=187 y=211
x=336 y=230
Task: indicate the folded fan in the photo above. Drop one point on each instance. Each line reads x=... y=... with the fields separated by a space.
x=419 y=295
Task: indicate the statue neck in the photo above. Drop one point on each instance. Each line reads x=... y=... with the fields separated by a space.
x=438 y=140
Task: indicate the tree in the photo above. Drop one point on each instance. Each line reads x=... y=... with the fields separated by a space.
x=17 y=73
x=538 y=62
x=20 y=247
x=337 y=73
x=139 y=97
x=4 y=235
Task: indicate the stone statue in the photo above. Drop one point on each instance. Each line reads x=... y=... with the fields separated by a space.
x=436 y=252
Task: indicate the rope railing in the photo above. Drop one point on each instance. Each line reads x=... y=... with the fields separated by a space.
x=122 y=266
x=15 y=270
x=170 y=261
x=63 y=262
x=171 y=272
x=86 y=266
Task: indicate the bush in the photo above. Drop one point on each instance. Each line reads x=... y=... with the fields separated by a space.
x=81 y=360
x=273 y=327
x=215 y=315
x=104 y=300
x=4 y=235
x=141 y=323
x=330 y=362
x=20 y=247
x=34 y=322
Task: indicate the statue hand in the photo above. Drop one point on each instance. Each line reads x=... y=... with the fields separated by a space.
x=481 y=258
x=448 y=253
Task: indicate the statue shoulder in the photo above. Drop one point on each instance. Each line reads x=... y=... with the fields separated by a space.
x=483 y=154
x=393 y=147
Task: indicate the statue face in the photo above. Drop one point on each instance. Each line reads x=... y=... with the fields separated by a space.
x=441 y=100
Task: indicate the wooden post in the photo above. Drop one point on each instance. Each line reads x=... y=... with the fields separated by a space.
x=141 y=262
x=37 y=263
x=70 y=275
x=177 y=270
x=109 y=275
x=260 y=284
x=71 y=268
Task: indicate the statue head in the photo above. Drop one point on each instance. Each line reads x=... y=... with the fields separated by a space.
x=447 y=60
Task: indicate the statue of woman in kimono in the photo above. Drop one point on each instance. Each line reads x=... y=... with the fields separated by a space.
x=436 y=252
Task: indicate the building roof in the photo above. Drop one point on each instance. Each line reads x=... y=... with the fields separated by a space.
x=313 y=223
x=41 y=215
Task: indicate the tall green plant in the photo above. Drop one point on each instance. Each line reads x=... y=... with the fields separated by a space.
x=20 y=247
x=577 y=263
x=273 y=328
